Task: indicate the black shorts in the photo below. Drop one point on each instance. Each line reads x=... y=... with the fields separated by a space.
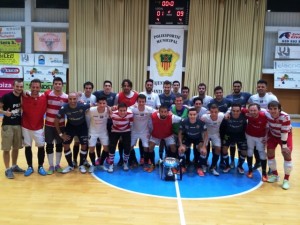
x=51 y=135
x=187 y=142
x=81 y=131
x=230 y=141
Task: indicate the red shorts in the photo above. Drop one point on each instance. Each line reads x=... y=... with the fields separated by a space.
x=274 y=141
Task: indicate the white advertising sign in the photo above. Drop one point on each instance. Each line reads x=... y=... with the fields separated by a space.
x=11 y=71
x=289 y=37
x=287 y=66
x=166 y=55
x=287 y=52
x=287 y=80
x=10 y=33
x=48 y=59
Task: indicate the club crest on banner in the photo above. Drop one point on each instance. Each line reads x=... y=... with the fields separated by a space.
x=166 y=61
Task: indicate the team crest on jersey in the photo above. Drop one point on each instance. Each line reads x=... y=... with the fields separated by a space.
x=166 y=61
x=81 y=110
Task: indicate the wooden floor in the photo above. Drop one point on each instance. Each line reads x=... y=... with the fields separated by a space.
x=81 y=199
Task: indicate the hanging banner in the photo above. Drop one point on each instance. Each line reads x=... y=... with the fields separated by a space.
x=287 y=52
x=10 y=45
x=287 y=66
x=48 y=59
x=11 y=71
x=166 y=56
x=10 y=33
x=287 y=80
x=45 y=74
x=289 y=37
x=6 y=85
x=16 y=59
x=50 y=42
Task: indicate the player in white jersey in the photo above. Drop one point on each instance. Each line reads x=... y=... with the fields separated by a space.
x=262 y=98
x=280 y=133
x=201 y=94
x=213 y=121
x=140 y=126
x=152 y=99
x=98 y=117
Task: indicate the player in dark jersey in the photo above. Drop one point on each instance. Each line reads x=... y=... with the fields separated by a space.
x=232 y=131
x=193 y=131
x=76 y=126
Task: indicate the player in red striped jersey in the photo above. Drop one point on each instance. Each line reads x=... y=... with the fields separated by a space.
x=280 y=133
x=55 y=99
x=122 y=121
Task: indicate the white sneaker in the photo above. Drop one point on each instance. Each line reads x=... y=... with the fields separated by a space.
x=214 y=172
x=125 y=167
x=68 y=169
x=110 y=168
x=91 y=169
x=82 y=169
x=273 y=178
x=285 y=185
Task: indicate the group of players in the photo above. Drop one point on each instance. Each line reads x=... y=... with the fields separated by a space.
x=171 y=120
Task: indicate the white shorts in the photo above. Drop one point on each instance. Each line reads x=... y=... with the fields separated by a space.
x=143 y=136
x=257 y=142
x=215 y=140
x=103 y=139
x=169 y=140
x=37 y=135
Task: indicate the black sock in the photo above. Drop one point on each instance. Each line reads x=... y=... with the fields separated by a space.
x=68 y=155
x=41 y=156
x=226 y=159
x=104 y=155
x=141 y=148
x=232 y=153
x=75 y=152
x=250 y=161
x=151 y=157
x=82 y=157
x=188 y=155
x=256 y=155
x=98 y=149
x=28 y=155
x=215 y=160
x=92 y=157
x=121 y=149
x=241 y=160
x=264 y=166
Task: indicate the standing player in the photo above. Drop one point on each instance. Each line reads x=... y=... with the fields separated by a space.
x=193 y=131
x=175 y=87
x=241 y=98
x=198 y=104
x=34 y=108
x=140 y=127
x=263 y=99
x=11 y=134
x=256 y=137
x=219 y=100
x=185 y=96
x=280 y=133
x=76 y=126
x=201 y=94
x=232 y=131
x=122 y=121
x=55 y=99
x=213 y=122
x=98 y=117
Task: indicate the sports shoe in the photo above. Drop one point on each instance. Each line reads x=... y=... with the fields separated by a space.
x=200 y=172
x=183 y=169
x=174 y=170
x=58 y=169
x=256 y=166
x=42 y=171
x=150 y=168
x=125 y=166
x=264 y=178
x=9 y=173
x=50 y=170
x=250 y=174
x=68 y=169
x=285 y=184
x=240 y=170
x=142 y=161
x=17 y=169
x=82 y=169
x=87 y=164
x=110 y=168
x=28 y=172
x=232 y=165
x=226 y=170
x=273 y=178
x=204 y=168
x=75 y=164
x=214 y=172
x=92 y=169
x=222 y=165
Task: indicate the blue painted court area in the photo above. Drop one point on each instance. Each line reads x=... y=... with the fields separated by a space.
x=296 y=124
x=190 y=187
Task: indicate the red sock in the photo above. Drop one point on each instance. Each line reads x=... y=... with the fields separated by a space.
x=286 y=177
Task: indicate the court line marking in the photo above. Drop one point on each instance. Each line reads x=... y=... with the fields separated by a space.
x=179 y=202
x=157 y=196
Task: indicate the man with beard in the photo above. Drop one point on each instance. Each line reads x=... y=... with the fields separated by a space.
x=202 y=94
